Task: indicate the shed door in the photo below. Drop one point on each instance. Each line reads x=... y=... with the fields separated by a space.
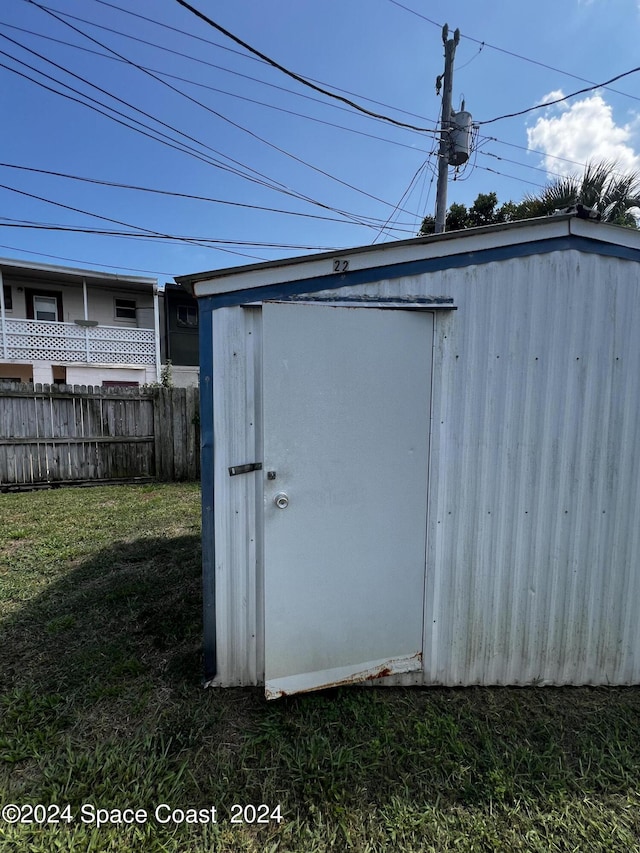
x=346 y=397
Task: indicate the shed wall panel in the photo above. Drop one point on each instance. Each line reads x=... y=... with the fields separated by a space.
x=534 y=499
x=237 y=516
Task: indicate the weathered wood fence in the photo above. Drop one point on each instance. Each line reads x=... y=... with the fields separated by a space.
x=72 y=434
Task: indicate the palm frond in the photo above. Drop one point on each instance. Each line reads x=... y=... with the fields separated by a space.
x=603 y=186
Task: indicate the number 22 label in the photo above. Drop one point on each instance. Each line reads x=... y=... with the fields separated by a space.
x=340 y=265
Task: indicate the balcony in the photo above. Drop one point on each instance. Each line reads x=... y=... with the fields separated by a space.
x=62 y=343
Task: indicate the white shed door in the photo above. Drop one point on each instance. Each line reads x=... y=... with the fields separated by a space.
x=346 y=397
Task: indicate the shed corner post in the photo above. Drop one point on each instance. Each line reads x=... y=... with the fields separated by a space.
x=207 y=451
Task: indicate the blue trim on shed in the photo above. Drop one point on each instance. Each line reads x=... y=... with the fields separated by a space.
x=207 y=449
x=333 y=281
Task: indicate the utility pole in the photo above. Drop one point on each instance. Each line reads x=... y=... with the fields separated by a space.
x=445 y=138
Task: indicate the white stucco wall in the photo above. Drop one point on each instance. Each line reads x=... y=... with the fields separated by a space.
x=98 y=375
x=185 y=376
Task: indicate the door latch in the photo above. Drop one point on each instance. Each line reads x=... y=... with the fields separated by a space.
x=244 y=469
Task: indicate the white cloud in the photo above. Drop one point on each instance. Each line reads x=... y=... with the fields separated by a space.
x=585 y=131
x=552 y=96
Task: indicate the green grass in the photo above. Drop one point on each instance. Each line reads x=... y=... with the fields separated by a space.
x=101 y=704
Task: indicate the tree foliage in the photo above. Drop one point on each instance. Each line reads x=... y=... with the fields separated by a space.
x=614 y=196
x=484 y=211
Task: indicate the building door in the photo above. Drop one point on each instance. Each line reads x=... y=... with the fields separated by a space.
x=346 y=400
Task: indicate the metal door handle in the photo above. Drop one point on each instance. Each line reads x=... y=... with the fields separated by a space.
x=281 y=500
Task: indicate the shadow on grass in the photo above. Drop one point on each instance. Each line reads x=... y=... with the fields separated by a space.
x=101 y=674
x=132 y=609
x=106 y=654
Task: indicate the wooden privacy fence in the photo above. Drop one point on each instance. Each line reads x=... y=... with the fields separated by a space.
x=69 y=434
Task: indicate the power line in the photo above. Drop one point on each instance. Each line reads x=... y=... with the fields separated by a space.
x=511 y=52
x=148 y=231
x=209 y=43
x=172 y=143
x=417 y=14
x=513 y=177
x=214 y=88
x=183 y=150
x=469 y=61
x=426 y=166
x=91 y=264
x=426 y=201
x=293 y=75
x=545 y=171
x=120 y=100
x=214 y=112
x=522 y=165
x=307 y=81
x=174 y=194
x=178 y=146
x=114 y=97
x=169 y=27
x=285 y=110
x=541 y=153
x=560 y=100
x=404 y=195
x=205 y=242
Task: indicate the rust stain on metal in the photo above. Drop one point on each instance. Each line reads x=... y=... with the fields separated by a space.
x=381 y=671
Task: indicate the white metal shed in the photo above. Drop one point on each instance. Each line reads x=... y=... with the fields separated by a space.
x=421 y=461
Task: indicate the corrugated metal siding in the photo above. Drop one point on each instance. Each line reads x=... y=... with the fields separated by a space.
x=533 y=556
x=237 y=407
x=533 y=544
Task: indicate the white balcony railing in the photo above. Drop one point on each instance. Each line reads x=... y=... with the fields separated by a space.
x=45 y=340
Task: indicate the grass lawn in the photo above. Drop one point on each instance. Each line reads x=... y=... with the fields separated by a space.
x=101 y=708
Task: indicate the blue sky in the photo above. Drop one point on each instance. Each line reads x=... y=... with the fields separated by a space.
x=220 y=124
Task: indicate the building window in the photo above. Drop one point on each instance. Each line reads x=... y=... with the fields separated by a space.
x=8 y=299
x=126 y=309
x=187 y=315
x=43 y=305
x=45 y=308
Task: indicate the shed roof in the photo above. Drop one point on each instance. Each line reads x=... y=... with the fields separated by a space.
x=327 y=270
